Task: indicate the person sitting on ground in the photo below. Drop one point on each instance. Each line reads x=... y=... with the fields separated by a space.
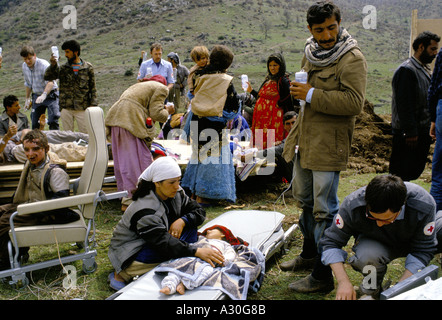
x=43 y=178
x=158 y=225
x=389 y=218
x=283 y=168
x=215 y=236
x=12 y=115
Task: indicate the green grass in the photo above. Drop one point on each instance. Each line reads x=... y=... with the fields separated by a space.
x=47 y=284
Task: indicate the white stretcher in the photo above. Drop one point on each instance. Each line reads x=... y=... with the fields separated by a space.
x=261 y=229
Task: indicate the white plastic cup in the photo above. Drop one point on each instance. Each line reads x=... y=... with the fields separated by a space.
x=55 y=53
x=149 y=72
x=244 y=80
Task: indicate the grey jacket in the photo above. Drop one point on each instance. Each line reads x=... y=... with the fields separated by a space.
x=409 y=110
x=412 y=232
x=4 y=122
x=146 y=222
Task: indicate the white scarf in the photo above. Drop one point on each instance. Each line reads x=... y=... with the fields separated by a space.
x=161 y=169
x=321 y=57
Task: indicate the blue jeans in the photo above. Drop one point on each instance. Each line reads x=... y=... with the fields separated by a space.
x=53 y=112
x=317 y=193
x=438 y=231
x=436 y=174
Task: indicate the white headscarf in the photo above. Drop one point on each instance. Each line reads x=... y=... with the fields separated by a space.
x=161 y=169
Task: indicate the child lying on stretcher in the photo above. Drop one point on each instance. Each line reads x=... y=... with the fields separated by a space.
x=218 y=237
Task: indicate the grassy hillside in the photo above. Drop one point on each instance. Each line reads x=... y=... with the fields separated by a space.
x=113 y=32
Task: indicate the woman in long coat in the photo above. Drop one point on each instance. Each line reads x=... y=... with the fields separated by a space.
x=130 y=137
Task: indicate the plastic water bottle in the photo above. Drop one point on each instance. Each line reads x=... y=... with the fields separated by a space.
x=55 y=53
x=301 y=76
x=244 y=80
x=1 y=50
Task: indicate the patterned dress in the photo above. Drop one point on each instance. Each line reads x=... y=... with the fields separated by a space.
x=267 y=124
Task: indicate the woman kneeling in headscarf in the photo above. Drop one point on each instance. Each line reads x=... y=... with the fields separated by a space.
x=157 y=226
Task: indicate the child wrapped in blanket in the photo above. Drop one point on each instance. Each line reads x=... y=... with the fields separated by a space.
x=219 y=238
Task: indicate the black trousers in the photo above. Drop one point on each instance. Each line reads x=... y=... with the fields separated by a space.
x=406 y=162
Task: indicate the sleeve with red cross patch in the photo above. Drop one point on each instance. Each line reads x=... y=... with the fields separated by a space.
x=422 y=245
x=337 y=236
x=429 y=228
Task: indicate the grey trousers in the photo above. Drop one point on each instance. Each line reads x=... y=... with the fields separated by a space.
x=371 y=258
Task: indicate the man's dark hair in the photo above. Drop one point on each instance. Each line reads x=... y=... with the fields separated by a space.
x=9 y=101
x=288 y=115
x=38 y=137
x=385 y=192
x=26 y=51
x=321 y=11
x=425 y=39
x=72 y=45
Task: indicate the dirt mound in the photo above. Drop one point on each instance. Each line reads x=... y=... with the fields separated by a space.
x=371 y=147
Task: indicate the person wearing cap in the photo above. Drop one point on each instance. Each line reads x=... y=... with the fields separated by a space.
x=158 y=225
x=180 y=74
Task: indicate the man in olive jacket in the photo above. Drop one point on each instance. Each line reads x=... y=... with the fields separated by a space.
x=319 y=143
x=77 y=86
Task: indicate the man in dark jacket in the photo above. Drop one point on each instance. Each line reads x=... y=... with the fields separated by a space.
x=388 y=219
x=409 y=111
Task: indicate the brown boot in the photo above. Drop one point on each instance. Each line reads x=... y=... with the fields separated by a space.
x=310 y=285
x=297 y=264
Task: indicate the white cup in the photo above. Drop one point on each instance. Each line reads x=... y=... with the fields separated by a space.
x=55 y=53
